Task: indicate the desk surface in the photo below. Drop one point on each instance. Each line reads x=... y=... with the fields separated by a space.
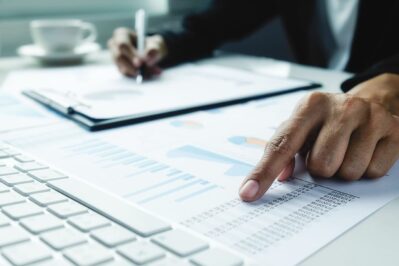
x=373 y=241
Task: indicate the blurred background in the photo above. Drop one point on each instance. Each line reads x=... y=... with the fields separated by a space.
x=107 y=15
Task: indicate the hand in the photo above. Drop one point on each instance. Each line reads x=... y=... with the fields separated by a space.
x=125 y=55
x=345 y=135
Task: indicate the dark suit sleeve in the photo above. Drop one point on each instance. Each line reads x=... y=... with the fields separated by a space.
x=220 y=21
x=390 y=65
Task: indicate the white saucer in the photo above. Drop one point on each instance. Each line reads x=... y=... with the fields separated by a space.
x=33 y=51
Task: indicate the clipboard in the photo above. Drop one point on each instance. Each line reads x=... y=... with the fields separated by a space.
x=68 y=109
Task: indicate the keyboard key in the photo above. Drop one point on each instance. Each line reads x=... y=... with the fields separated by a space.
x=4 y=146
x=9 y=198
x=26 y=253
x=4 y=154
x=15 y=179
x=216 y=257
x=52 y=262
x=32 y=166
x=11 y=152
x=22 y=210
x=119 y=262
x=23 y=159
x=41 y=223
x=31 y=188
x=141 y=252
x=63 y=238
x=11 y=235
x=48 y=198
x=88 y=222
x=7 y=171
x=88 y=254
x=126 y=214
x=3 y=220
x=4 y=188
x=67 y=209
x=180 y=242
x=112 y=236
x=46 y=175
x=169 y=261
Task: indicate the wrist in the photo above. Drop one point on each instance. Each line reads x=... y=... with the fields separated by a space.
x=382 y=89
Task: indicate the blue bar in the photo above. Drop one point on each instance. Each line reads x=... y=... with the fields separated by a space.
x=122 y=156
x=111 y=151
x=78 y=145
x=151 y=187
x=145 y=170
x=174 y=172
x=89 y=146
x=159 y=168
x=137 y=159
x=187 y=177
x=99 y=148
x=106 y=166
x=146 y=163
x=89 y=152
x=196 y=193
x=169 y=192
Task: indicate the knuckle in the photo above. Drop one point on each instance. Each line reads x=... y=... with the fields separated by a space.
x=349 y=173
x=351 y=108
x=351 y=102
x=313 y=99
x=386 y=77
x=320 y=168
x=280 y=145
x=375 y=171
x=121 y=31
x=316 y=97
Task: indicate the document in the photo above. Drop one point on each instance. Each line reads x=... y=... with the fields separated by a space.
x=17 y=113
x=188 y=169
x=100 y=92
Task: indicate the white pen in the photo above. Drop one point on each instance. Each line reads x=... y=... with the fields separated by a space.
x=140 y=25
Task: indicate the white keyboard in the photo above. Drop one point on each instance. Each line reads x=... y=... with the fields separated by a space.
x=48 y=218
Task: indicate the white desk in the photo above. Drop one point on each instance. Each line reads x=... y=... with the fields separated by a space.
x=372 y=242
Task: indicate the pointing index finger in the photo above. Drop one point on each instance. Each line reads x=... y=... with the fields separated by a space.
x=280 y=151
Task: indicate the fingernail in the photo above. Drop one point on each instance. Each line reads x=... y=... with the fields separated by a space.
x=249 y=189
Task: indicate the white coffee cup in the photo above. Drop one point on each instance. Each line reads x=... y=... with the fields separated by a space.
x=62 y=35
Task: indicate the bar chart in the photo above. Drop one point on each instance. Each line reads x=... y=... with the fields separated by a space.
x=236 y=168
x=135 y=177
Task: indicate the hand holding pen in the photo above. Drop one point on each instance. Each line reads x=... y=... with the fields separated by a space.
x=130 y=61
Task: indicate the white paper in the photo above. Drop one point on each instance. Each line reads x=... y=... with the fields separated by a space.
x=16 y=113
x=188 y=169
x=101 y=92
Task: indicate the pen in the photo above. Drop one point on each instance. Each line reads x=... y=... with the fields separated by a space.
x=140 y=25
